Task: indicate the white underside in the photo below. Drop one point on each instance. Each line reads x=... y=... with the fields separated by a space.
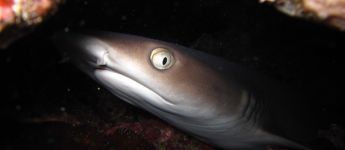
x=129 y=90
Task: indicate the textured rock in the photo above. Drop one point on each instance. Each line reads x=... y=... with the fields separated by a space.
x=19 y=17
x=330 y=12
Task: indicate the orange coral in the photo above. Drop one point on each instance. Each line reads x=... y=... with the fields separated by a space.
x=24 y=12
x=17 y=17
x=331 y=12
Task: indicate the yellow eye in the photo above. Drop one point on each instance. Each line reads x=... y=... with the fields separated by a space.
x=162 y=58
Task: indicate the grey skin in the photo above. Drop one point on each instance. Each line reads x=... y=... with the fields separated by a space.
x=218 y=102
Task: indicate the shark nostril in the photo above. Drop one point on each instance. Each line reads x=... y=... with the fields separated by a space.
x=102 y=61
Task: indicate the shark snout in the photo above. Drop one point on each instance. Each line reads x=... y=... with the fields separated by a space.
x=81 y=49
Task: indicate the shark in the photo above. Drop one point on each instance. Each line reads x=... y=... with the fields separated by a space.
x=220 y=103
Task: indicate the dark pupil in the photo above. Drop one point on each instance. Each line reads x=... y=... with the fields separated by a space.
x=165 y=60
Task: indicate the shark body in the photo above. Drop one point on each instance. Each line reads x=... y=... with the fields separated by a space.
x=218 y=102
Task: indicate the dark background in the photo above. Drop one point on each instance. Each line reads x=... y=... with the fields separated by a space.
x=38 y=84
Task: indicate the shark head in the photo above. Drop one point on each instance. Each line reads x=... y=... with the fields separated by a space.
x=151 y=74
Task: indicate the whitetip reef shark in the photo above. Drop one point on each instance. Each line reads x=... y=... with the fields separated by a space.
x=216 y=101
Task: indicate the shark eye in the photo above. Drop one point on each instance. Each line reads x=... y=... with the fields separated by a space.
x=162 y=58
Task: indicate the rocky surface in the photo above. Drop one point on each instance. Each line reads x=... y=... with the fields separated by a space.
x=330 y=12
x=20 y=17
